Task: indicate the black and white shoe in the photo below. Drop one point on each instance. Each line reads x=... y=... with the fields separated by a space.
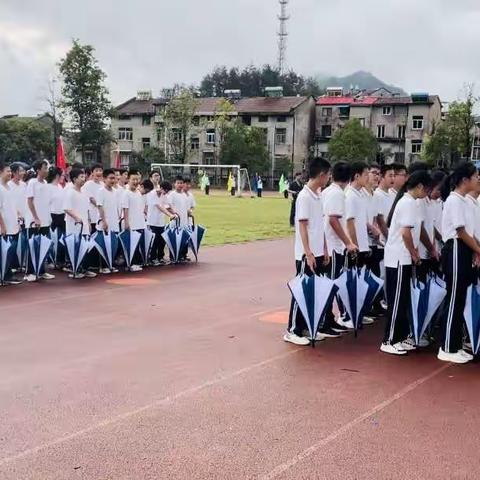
x=329 y=333
x=339 y=328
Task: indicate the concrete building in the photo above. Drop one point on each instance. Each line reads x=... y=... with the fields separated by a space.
x=400 y=124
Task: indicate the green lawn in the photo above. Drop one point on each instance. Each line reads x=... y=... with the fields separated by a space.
x=232 y=219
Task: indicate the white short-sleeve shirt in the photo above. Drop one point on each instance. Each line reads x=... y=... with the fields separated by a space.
x=135 y=203
x=406 y=215
x=191 y=200
x=356 y=206
x=41 y=194
x=8 y=210
x=455 y=215
x=309 y=206
x=19 y=192
x=474 y=215
x=180 y=204
x=108 y=200
x=155 y=217
x=437 y=214
x=333 y=198
x=92 y=188
x=78 y=202
x=427 y=208
x=57 y=193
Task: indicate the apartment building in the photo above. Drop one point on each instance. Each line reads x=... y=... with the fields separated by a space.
x=399 y=123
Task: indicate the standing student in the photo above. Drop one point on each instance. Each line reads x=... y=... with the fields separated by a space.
x=192 y=204
x=458 y=254
x=155 y=178
x=374 y=233
x=338 y=241
x=55 y=180
x=438 y=178
x=206 y=183
x=9 y=227
x=401 y=255
x=180 y=206
x=383 y=201
x=37 y=217
x=259 y=186
x=311 y=254
x=108 y=209
x=18 y=189
x=295 y=188
x=133 y=205
x=399 y=179
x=77 y=220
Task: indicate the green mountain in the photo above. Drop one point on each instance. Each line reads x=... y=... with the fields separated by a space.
x=361 y=80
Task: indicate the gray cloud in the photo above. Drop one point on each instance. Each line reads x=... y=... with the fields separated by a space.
x=429 y=45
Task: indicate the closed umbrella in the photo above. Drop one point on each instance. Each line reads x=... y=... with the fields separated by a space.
x=196 y=236
x=38 y=248
x=77 y=246
x=129 y=239
x=146 y=242
x=472 y=315
x=5 y=247
x=177 y=239
x=107 y=244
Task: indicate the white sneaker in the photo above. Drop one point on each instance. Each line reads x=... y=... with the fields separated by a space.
x=295 y=339
x=451 y=357
x=136 y=268
x=383 y=304
x=47 y=276
x=348 y=324
x=368 y=321
x=467 y=346
x=105 y=271
x=76 y=276
x=408 y=344
x=31 y=278
x=90 y=274
x=465 y=354
x=156 y=263
x=423 y=342
x=114 y=270
x=392 y=349
x=319 y=337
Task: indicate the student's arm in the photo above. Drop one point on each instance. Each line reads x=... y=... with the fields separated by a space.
x=31 y=206
x=352 y=233
x=71 y=213
x=382 y=225
x=408 y=241
x=103 y=218
x=125 y=218
x=424 y=238
x=3 y=227
x=341 y=234
x=437 y=235
x=373 y=230
x=166 y=211
x=468 y=240
x=310 y=257
x=326 y=256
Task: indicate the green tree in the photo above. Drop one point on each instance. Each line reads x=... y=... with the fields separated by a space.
x=85 y=97
x=353 y=142
x=143 y=160
x=25 y=139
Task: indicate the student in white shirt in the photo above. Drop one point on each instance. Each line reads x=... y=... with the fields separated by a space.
x=38 y=217
x=460 y=251
x=155 y=178
x=77 y=220
x=57 y=193
x=399 y=180
x=356 y=207
x=133 y=205
x=259 y=186
x=157 y=210
x=192 y=204
x=19 y=190
x=374 y=232
x=401 y=254
x=384 y=201
x=436 y=195
x=311 y=253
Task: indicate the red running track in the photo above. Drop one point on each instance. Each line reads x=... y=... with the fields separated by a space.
x=181 y=373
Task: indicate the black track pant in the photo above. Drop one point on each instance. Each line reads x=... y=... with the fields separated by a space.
x=334 y=269
x=158 y=246
x=457 y=267
x=58 y=223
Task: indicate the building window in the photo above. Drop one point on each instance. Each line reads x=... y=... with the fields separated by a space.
x=380 y=131
x=210 y=118
x=196 y=121
x=344 y=112
x=210 y=136
x=90 y=157
x=247 y=120
x=125 y=133
x=280 y=136
x=195 y=143
x=326 y=131
x=387 y=110
x=146 y=120
x=401 y=131
x=416 y=146
x=263 y=118
x=146 y=142
x=125 y=159
x=176 y=136
x=208 y=158
x=326 y=111
x=282 y=118
x=417 y=122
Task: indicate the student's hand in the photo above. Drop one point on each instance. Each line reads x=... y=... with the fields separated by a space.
x=311 y=262
x=326 y=258
x=127 y=226
x=105 y=226
x=37 y=222
x=351 y=248
x=415 y=257
x=476 y=260
x=375 y=232
x=3 y=229
x=434 y=254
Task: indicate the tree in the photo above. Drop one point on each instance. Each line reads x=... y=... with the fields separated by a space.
x=85 y=97
x=143 y=160
x=178 y=120
x=353 y=142
x=52 y=102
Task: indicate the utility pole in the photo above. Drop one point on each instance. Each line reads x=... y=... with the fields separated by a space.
x=282 y=36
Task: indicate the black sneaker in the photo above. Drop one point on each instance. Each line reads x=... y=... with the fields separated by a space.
x=329 y=333
x=339 y=328
x=13 y=281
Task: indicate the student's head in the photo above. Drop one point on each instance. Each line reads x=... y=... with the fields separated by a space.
x=464 y=177
x=187 y=184
x=179 y=184
x=18 y=172
x=109 y=177
x=359 y=174
x=29 y=174
x=298 y=176
x=438 y=177
x=123 y=176
x=373 y=175
x=387 y=176
x=417 y=166
x=97 y=172
x=319 y=171
x=88 y=173
x=146 y=187
x=68 y=169
x=55 y=174
x=341 y=173
x=155 y=177
x=5 y=173
x=133 y=178
x=418 y=184
x=78 y=177
x=165 y=187
x=41 y=169
x=400 y=176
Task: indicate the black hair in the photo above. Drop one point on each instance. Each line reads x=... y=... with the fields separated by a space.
x=2 y=166
x=166 y=186
x=419 y=177
x=153 y=172
x=341 y=172
x=147 y=185
x=438 y=176
x=462 y=171
x=187 y=180
x=386 y=167
x=96 y=165
x=317 y=166
x=78 y=165
x=38 y=165
x=179 y=178
x=107 y=172
x=398 y=167
x=53 y=172
x=416 y=167
x=298 y=173
x=374 y=165
x=76 y=172
x=357 y=168
x=15 y=167
x=133 y=171
x=122 y=170
x=88 y=171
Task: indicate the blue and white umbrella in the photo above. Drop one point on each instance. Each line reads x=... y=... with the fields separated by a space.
x=177 y=239
x=5 y=257
x=21 y=248
x=107 y=244
x=425 y=300
x=313 y=295
x=146 y=243
x=57 y=244
x=77 y=246
x=196 y=236
x=129 y=239
x=375 y=285
x=472 y=315
x=38 y=247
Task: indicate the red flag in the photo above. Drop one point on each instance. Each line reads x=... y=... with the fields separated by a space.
x=117 y=162
x=61 y=160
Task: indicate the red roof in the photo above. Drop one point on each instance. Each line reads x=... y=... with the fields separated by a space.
x=350 y=101
x=272 y=105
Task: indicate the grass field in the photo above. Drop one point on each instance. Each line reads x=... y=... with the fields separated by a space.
x=233 y=220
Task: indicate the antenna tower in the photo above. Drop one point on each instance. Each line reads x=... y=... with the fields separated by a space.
x=282 y=35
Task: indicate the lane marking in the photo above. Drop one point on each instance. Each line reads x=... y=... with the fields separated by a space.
x=151 y=406
x=282 y=468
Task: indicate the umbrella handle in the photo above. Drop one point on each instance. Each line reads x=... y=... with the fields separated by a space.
x=193 y=220
x=81 y=228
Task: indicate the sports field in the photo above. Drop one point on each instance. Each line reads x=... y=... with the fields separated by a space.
x=242 y=219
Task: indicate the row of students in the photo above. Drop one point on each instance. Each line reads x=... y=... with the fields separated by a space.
x=108 y=200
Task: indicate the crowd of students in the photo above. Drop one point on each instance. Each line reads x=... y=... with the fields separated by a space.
x=83 y=200
x=400 y=223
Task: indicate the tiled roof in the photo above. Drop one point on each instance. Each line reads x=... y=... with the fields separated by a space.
x=347 y=101
x=404 y=100
x=139 y=107
x=266 y=105
x=208 y=106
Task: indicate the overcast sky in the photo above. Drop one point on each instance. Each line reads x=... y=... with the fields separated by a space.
x=419 y=45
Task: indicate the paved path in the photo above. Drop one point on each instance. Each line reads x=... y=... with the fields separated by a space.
x=181 y=374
